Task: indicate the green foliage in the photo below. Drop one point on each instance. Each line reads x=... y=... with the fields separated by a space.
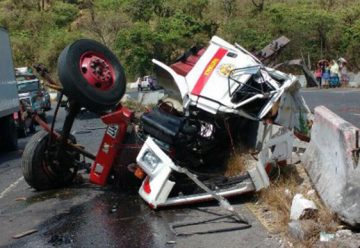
x=136 y=46
x=64 y=13
x=56 y=41
x=38 y=36
x=139 y=30
x=142 y=10
x=106 y=5
x=309 y=29
x=251 y=35
x=163 y=36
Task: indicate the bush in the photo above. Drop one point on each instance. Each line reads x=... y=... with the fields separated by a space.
x=64 y=13
x=140 y=30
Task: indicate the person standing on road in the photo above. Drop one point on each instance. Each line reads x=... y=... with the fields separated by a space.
x=138 y=81
x=334 y=74
x=151 y=83
x=318 y=75
x=344 y=75
x=326 y=74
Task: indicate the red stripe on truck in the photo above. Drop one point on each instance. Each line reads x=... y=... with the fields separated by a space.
x=205 y=75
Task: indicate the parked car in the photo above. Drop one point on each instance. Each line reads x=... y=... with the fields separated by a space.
x=148 y=83
x=30 y=90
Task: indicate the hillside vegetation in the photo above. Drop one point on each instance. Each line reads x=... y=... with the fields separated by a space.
x=139 y=30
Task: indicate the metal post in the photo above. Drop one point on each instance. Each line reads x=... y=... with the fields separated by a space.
x=69 y=121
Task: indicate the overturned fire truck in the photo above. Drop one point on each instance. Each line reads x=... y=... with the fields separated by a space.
x=217 y=97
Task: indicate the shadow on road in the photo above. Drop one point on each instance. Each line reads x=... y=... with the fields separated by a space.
x=8 y=156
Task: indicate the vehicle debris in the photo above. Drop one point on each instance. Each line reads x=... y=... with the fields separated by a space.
x=229 y=219
x=21 y=199
x=343 y=233
x=326 y=237
x=23 y=234
x=223 y=92
x=302 y=208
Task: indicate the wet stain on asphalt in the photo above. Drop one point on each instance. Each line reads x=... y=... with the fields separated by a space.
x=114 y=220
x=40 y=197
x=111 y=219
x=60 y=194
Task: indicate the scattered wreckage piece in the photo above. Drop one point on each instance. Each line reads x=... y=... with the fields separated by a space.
x=213 y=221
x=23 y=234
x=272 y=49
x=224 y=91
x=302 y=208
x=332 y=162
x=156 y=188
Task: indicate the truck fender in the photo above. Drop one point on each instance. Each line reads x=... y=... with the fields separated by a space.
x=179 y=80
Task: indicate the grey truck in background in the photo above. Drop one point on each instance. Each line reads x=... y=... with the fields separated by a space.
x=9 y=100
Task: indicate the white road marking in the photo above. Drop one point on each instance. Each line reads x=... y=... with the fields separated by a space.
x=13 y=185
x=356 y=114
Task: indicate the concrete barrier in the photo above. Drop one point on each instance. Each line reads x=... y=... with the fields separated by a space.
x=354 y=80
x=332 y=163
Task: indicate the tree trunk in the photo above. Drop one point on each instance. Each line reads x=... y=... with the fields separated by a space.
x=258 y=5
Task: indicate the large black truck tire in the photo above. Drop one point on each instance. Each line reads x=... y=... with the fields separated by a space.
x=92 y=75
x=8 y=134
x=36 y=166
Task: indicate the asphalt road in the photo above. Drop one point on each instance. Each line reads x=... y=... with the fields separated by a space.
x=85 y=215
x=344 y=102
